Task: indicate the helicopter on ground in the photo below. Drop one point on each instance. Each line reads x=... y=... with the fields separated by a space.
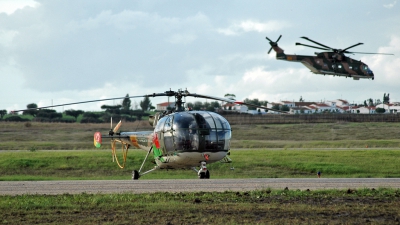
x=330 y=62
x=181 y=139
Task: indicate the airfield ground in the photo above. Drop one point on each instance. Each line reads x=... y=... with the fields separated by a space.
x=350 y=206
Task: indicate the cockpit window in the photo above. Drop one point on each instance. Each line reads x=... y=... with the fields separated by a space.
x=183 y=121
x=168 y=123
x=195 y=131
x=160 y=124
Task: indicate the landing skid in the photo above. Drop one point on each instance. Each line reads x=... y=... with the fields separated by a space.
x=202 y=173
x=136 y=174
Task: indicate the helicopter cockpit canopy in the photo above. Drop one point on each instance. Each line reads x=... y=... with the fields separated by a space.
x=193 y=131
x=366 y=68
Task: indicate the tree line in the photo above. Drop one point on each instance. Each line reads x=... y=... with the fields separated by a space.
x=121 y=111
x=125 y=111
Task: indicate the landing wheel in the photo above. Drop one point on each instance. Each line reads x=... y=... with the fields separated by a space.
x=135 y=175
x=204 y=175
x=207 y=176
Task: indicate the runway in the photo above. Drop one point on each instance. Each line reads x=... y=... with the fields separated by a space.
x=189 y=185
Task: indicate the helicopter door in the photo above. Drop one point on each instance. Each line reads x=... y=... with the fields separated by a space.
x=168 y=137
x=203 y=130
x=211 y=139
x=185 y=132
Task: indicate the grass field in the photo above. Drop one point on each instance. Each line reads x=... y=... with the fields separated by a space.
x=73 y=136
x=364 y=206
x=247 y=163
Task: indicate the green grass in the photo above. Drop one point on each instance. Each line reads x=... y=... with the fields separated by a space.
x=251 y=207
x=75 y=136
x=247 y=163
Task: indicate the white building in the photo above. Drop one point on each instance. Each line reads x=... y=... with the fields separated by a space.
x=163 y=106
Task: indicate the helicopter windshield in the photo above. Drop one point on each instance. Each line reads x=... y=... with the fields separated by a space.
x=368 y=70
x=195 y=131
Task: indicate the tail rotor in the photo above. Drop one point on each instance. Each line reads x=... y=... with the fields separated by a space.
x=116 y=128
x=273 y=44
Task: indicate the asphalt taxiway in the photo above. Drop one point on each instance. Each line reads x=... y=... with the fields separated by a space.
x=189 y=185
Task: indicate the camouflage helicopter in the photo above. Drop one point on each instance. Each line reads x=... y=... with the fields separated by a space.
x=331 y=62
x=181 y=139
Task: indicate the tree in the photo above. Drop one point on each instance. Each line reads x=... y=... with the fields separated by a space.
x=215 y=105
x=230 y=96
x=189 y=105
x=31 y=109
x=253 y=102
x=126 y=103
x=197 y=105
x=276 y=107
x=3 y=113
x=139 y=114
x=113 y=109
x=386 y=98
x=74 y=113
x=16 y=119
x=48 y=115
x=370 y=102
x=365 y=103
x=301 y=99
x=285 y=108
x=145 y=104
x=90 y=117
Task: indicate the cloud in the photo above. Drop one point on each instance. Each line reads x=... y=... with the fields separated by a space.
x=238 y=28
x=126 y=46
x=7 y=36
x=386 y=67
x=10 y=6
x=390 y=5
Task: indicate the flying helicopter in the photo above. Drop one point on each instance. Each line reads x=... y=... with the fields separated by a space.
x=331 y=61
x=181 y=139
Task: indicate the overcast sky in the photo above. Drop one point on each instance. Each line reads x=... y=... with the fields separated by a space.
x=55 y=52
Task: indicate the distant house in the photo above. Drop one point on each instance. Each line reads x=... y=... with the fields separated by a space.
x=164 y=106
x=322 y=107
x=341 y=102
x=390 y=108
x=287 y=103
x=303 y=104
x=367 y=110
x=235 y=107
x=311 y=108
x=300 y=110
x=344 y=109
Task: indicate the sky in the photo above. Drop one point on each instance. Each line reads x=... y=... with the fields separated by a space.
x=56 y=52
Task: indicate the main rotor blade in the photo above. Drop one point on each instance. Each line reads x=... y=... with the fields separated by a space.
x=308 y=39
x=232 y=101
x=297 y=43
x=257 y=106
x=344 y=50
x=371 y=53
x=77 y=103
x=211 y=97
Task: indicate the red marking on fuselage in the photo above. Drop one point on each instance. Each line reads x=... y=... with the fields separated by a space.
x=155 y=140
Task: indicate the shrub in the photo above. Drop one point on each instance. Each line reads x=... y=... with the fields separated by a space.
x=16 y=119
